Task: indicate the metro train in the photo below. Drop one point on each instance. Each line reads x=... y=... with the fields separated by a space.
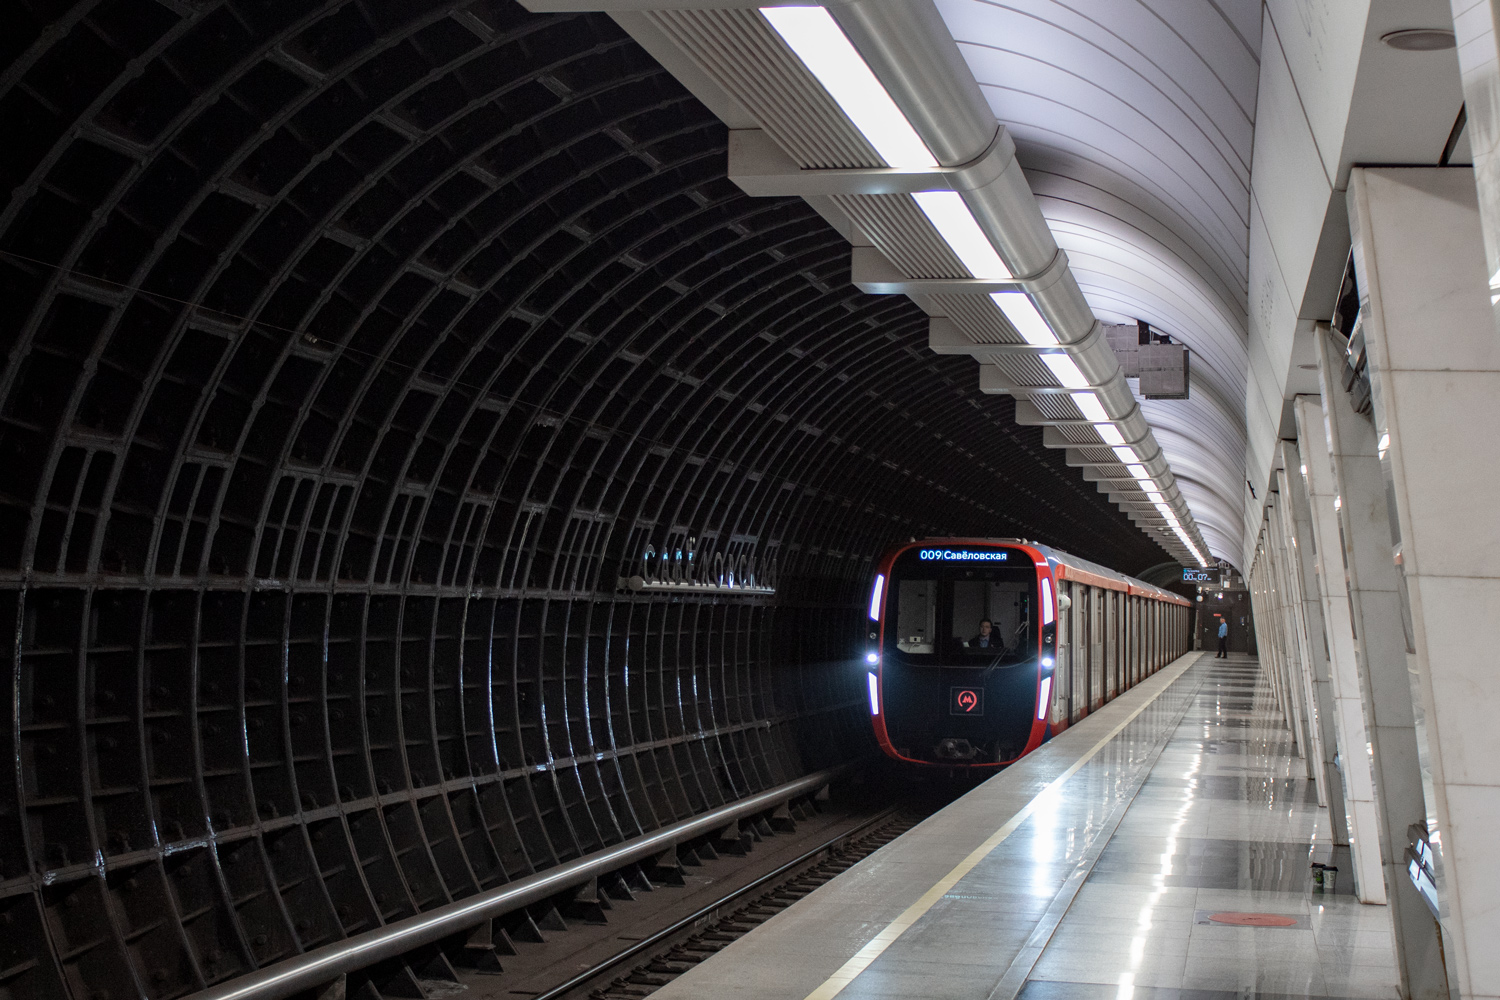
x=980 y=649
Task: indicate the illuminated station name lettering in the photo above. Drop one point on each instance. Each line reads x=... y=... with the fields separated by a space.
x=962 y=555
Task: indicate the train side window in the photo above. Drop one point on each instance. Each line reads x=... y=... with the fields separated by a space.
x=916 y=616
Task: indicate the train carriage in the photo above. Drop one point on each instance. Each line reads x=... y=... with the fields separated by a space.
x=979 y=649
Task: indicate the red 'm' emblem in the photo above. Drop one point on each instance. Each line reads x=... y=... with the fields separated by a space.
x=967 y=700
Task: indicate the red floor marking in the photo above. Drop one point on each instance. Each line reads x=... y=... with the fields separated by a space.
x=1253 y=919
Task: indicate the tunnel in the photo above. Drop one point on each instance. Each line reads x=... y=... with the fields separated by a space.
x=423 y=468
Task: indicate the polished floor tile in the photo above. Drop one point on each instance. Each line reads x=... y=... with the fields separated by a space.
x=1227 y=822
x=1198 y=806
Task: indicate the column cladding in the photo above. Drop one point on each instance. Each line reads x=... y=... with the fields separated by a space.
x=1434 y=362
x=1380 y=648
x=1355 y=761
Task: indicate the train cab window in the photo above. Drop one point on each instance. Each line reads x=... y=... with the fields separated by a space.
x=990 y=617
x=961 y=615
x=916 y=614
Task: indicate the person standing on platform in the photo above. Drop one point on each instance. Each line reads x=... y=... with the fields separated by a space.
x=1223 y=639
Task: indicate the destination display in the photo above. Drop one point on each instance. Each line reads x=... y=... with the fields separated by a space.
x=963 y=555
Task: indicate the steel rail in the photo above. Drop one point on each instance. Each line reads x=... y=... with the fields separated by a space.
x=599 y=968
x=320 y=965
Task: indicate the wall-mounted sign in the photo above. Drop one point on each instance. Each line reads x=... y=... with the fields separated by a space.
x=683 y=566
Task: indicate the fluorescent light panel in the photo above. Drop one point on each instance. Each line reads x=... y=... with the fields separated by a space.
x=821 y=44
x=1110 y=434
x=1088 y=404
x=955 y=223
x=1023 y=315
x=1065 y=370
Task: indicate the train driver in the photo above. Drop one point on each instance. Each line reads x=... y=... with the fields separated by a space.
x=987 y=638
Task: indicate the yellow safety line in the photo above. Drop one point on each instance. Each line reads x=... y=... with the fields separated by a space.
x=834 y=984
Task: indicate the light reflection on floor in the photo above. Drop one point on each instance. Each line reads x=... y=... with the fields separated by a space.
x=1225 y=822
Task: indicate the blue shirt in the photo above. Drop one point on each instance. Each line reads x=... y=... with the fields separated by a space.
x=1223 y=630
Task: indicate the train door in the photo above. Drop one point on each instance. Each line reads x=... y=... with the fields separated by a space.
x=1078 y=622
x=1096 y=647
x=1116 y=681
x=1091 y=637
x=1062 y=675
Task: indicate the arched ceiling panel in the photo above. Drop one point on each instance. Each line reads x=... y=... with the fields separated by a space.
x=1135 y=122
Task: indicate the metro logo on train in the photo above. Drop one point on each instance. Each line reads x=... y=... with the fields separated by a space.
x=978 y=650
x=965 y=701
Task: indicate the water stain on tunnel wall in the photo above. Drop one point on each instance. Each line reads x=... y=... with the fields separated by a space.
x=353 y=353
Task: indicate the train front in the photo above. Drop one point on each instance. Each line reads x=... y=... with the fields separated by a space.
x=961 y=645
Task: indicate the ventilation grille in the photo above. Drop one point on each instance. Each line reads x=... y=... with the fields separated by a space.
x=899 y=230
x=978 y=318
x=1102 y=455
x=738 y=50
x=1079 y=434
x=1025 y=369
x=1056 y=406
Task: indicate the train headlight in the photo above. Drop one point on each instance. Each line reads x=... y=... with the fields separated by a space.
x=872 y=658
x=1047 y=661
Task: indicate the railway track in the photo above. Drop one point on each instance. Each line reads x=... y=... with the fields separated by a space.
x=753 y=906
x=648 y=938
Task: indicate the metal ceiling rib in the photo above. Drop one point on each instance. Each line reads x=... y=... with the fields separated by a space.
x=736 y=53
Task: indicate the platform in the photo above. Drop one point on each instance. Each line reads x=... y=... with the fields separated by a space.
x=1103 y=865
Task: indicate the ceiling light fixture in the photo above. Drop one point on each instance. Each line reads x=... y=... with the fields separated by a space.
x=1088 y=404
x=955 y=223
x=1065 y=369
x=826 y=51
x=1023 y=315
x=1109 y=434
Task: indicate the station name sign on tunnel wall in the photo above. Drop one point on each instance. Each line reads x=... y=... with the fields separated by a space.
x=683 y=564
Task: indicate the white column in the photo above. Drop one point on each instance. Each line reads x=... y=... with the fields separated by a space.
x=1293 y=662
x=1302 y=596
x=1435 y=380
x=1380 y=649
x=1333 y=599
x=1474 y=27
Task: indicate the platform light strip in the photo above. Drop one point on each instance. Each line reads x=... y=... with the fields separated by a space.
x=953 y=220
x=865 y=957
x=826 y=51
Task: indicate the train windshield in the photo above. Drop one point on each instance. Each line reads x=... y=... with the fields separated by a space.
x=962 y=612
